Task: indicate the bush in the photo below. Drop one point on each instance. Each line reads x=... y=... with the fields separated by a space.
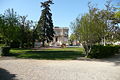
x=15 y=44
x=1 y=45
x=100 y=51
x=117 y=49
x=4 y=51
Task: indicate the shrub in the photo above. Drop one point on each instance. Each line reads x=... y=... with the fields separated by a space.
x=1 y=45
x=100 y=51
x=117 y=49
x=4 y=51
x=15 y=44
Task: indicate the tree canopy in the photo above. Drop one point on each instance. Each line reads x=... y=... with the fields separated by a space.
x=96 y=26
x=15 y=29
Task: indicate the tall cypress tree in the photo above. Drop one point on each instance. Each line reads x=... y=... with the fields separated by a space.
x=45 y=24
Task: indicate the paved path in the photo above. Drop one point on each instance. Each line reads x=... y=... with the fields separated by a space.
x=24 y=69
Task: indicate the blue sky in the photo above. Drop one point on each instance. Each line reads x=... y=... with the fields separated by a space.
x=64 y=11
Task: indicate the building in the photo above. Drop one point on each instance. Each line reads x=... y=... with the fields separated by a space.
x=60 y=37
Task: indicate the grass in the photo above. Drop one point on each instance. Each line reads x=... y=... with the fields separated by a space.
x=1 y=45
x=49 y=54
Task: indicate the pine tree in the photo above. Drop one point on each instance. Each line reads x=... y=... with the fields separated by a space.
x=45 y=24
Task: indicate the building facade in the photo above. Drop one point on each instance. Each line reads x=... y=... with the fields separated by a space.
x=60 y=37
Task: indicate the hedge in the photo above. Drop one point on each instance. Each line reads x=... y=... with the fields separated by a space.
x=100 y=51
x=15 y=44
x=4 y=51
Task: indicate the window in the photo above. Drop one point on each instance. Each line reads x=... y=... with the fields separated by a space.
x=56 y=39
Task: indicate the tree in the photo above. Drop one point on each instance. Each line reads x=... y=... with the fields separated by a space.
x=73 y=38
x=15 y=29
x=26 y=32
x=1 y=27
x=23 y=30
x=116 y=22
x=10 y=29
x=112 y=19
x=45 y=24
x=107 y=15
x=116 y=19
x=95 y=27
x=89 y=28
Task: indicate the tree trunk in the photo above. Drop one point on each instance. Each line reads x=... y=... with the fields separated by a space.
x=43 y=43
x=7 y=42
x=33 y=44
x=104 y=41
x=87 y=48
x=22 y=44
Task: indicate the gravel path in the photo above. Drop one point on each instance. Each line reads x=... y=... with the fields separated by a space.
x=24 y=69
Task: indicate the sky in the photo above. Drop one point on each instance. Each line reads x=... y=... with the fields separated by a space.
x=64 y=11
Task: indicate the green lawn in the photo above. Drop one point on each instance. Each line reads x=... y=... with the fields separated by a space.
x=49 y=54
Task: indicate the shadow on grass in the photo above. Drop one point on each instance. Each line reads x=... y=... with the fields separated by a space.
x=22 y=49
x=50 y=55
x=5 y=75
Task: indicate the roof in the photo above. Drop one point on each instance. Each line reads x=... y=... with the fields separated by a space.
x=60 y=27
